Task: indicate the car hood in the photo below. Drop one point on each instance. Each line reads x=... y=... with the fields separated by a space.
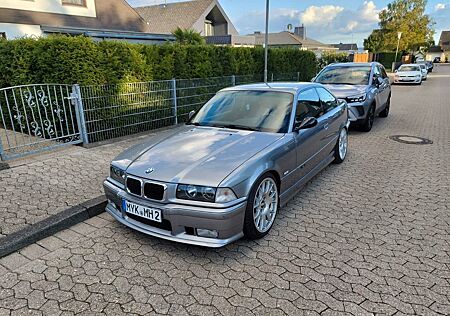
x=199 y=155
x=342 y=91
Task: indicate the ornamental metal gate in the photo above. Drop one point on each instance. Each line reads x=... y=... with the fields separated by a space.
x=37 y=118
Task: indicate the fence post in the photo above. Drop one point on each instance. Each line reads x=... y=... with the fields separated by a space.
x=272 y=76
x=298 y=76
x=233 y=80
x=77 y=101
x=2 y=153
x=174 y=98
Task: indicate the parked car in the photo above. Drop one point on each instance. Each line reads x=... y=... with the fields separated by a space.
x=424 y=70
x=226 y=172
x=408 y=73
x=437 y=60
x=364 y=86
x=430 y=66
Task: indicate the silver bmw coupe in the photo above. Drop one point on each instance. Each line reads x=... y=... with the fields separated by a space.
x=225 y=174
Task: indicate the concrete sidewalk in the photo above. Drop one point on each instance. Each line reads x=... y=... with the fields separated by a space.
x=37 y=187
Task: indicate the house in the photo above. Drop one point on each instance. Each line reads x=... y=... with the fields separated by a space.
x=444 y=41
x=100 y=19
x=296 y=39
x=206 y=17
x=346 y=48
x=435 y=52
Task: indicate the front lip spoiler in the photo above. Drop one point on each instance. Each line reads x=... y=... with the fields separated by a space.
x=181 y=238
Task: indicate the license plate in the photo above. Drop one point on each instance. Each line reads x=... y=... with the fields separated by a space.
x=149 y=213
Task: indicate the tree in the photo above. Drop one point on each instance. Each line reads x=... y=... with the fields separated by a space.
x=188 y=37
x=408 y=17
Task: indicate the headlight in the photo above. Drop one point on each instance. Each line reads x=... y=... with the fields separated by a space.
x=204 y=194
x=117 y=174
x=357 y=98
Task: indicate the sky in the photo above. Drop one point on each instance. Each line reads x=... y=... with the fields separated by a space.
x=326 y=21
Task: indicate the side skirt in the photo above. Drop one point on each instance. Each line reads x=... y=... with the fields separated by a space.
x=287 y=195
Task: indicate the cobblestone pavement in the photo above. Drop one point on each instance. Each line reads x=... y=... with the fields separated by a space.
x=367 y=237
x=40 y=186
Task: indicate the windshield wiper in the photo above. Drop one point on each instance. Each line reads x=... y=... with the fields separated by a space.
x=235 y=126
x=195 y=124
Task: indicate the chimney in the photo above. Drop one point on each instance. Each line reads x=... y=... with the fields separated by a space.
x=300 y=31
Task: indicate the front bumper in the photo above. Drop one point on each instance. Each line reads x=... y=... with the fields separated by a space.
x=357 y=111
x=182 y=220
x=407 y=80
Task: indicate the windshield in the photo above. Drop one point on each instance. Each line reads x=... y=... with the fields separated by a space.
x=358 y=75
x=409 y=68
x=265 y=111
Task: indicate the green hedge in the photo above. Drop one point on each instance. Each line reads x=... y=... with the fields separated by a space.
x=69 y=60
x=387 y=58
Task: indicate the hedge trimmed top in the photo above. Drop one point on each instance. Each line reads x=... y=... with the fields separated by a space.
x=69 y=60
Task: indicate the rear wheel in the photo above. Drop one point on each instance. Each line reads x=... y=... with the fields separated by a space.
x=262 y=207
x=340 y=150
x=385 y=112
x=367 y=124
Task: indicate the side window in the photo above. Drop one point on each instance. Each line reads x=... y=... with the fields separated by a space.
x=328 y=100
x=308 y=105
x=383 y=72
x=376 y=72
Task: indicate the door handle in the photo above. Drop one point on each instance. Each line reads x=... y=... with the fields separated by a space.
x=326 y=126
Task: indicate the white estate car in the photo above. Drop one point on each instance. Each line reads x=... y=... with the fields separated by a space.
x=424 y=69
x=408 y=73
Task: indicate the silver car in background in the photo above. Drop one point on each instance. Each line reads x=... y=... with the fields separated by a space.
x=408 y=73
x=364 y=86
x=226 y=172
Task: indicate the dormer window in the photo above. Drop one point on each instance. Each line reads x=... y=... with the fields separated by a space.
x=81 y=3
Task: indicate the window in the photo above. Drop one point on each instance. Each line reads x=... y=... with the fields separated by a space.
x=383 y=72
x=209 y=31
x=355 y=75
x=308 y=105
x=328 y=101
x=74 y=2
x=264 y=111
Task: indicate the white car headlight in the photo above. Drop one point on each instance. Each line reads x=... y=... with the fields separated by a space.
x=357 y=98
x=225 y=195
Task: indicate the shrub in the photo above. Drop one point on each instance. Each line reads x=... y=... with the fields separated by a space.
x=69 y=60
x=332 y=57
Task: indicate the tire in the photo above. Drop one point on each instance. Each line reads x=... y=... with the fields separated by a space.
x=385 y=112
x=367 y=124
x=254 y=228
x=341 y=147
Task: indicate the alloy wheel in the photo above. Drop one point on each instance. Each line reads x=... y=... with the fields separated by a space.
x=343 y=144
x=265 y=205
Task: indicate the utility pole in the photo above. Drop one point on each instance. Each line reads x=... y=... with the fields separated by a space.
x=399 y=35
x=266 y=43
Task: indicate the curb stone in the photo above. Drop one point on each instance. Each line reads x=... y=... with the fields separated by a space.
x=52 y=225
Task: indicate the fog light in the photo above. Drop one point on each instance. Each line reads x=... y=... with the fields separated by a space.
x=207 y=233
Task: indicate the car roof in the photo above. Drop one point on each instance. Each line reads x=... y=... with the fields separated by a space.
x=291 y=87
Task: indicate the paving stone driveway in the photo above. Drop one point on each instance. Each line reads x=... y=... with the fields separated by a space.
x=369 y=237
x=40 y=186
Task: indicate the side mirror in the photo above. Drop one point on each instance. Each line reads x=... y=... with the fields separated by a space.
x=191 y=115
x=308 y=122
x=396 y=70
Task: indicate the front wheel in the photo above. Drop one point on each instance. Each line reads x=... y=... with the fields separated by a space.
x=340 y=150
x=385 y=112
x=262 y=207
x=367 y=124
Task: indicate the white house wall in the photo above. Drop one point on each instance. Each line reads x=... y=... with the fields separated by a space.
x=51 y=6
x=20 y=30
